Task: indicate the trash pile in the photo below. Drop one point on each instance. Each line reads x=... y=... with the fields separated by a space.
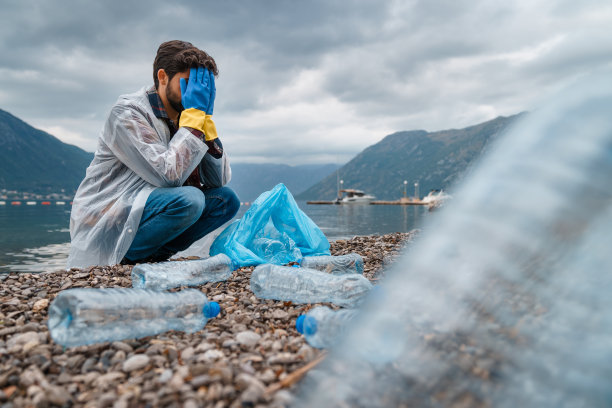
x=293 y=264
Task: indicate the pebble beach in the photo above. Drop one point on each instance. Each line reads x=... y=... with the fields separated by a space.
x=250 y=355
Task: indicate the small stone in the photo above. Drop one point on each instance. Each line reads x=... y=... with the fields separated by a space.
x=248 y=338
x=244 y=381
x=135 y=362
x=282 y=358
x=119 y=345
x=201 y=380
x=306 y=352
x=202 y=347
x=89 y=365
x=30 y=345
x=279 y=314
x=22 y=339
x=57 y=395
x=190 y=404
x=188 y=353
x=229 y=343
x=75 y=361
x=252 y=395
x=211 y=355
x=268 y=376
x=105 y=380
x=40 y=305
x=165 y=376
x=283 y=398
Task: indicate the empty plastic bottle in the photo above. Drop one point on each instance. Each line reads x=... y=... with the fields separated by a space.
x=167 y=275
x=337 y=265
x=323 y=326
x=275 y=251
x=304 y=285
x=86 y=316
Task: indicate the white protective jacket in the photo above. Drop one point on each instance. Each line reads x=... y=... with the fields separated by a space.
x=135 y=155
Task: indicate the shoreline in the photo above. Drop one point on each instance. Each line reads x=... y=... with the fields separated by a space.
x=243 y=357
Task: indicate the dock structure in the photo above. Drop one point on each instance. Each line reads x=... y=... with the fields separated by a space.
x=322 y=202
x=401 y=201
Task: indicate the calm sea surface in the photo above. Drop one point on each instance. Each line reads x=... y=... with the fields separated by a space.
x=36 y=238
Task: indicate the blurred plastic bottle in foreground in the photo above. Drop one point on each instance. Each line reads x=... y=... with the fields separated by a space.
x=304 y=285
x=87 y=316
x=323 y=326
x=168 y=275
x=336 y=265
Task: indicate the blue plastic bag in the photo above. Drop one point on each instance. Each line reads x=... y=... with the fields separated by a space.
x=274 y=230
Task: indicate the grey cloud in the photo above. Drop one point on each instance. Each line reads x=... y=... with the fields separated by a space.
x=397 y=63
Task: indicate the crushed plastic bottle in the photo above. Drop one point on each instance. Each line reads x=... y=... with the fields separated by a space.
x=322 y=326
x=337 y=265
x=86 y=315
x=168 y=275
x=276 y=251
x=304 y=285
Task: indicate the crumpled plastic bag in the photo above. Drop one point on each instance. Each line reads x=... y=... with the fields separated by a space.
x=274 y=230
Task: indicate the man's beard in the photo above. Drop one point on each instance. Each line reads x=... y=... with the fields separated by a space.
x=174 y=100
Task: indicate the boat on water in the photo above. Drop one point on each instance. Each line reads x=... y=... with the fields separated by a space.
x=352 y=196
x=30 y=202
x=60 y=202
x=2 y=202
x=435 y=199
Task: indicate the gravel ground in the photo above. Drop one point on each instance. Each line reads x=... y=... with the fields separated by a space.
x=247 y=356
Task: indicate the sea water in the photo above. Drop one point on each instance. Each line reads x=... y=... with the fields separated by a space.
x=36 y=238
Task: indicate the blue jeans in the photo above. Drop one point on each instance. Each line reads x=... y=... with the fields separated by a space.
x=174 y=218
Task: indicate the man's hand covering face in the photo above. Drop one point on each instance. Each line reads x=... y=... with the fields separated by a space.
x=198 y=99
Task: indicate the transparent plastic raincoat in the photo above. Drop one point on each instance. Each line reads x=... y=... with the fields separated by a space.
x=135 y=155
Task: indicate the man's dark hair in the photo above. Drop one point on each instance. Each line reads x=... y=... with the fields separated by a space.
x=178 y=56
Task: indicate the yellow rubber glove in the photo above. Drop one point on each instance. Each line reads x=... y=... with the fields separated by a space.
x=198 y=119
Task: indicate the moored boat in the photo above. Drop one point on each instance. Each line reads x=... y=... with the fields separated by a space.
x=352 y=196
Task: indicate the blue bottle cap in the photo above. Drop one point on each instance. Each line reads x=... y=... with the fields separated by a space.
x=310 y=325
x=211 y=309
x=299 y=324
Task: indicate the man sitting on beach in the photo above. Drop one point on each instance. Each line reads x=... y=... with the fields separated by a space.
x=155 y=184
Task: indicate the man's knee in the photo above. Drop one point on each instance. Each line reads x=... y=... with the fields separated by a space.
x=232 y=202
x=190 y=202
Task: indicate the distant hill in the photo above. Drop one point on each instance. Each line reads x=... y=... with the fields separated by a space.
x=35 y=161
x=250 y=180
x=436 y=160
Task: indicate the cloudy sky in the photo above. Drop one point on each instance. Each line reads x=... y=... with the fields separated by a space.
x=302 y=81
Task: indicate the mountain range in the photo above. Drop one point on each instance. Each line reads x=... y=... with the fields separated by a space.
x=32 y=160
x=436 y=160
x=35 y=161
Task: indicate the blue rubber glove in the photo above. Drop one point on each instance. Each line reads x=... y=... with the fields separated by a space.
x=213 y=93
x=199 y=91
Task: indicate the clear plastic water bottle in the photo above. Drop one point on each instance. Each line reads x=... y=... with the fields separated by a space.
x=275 y=251
x=304 y=285
x=322 y=326
x=87 y=315
x=337 y=265
x=168 y=275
